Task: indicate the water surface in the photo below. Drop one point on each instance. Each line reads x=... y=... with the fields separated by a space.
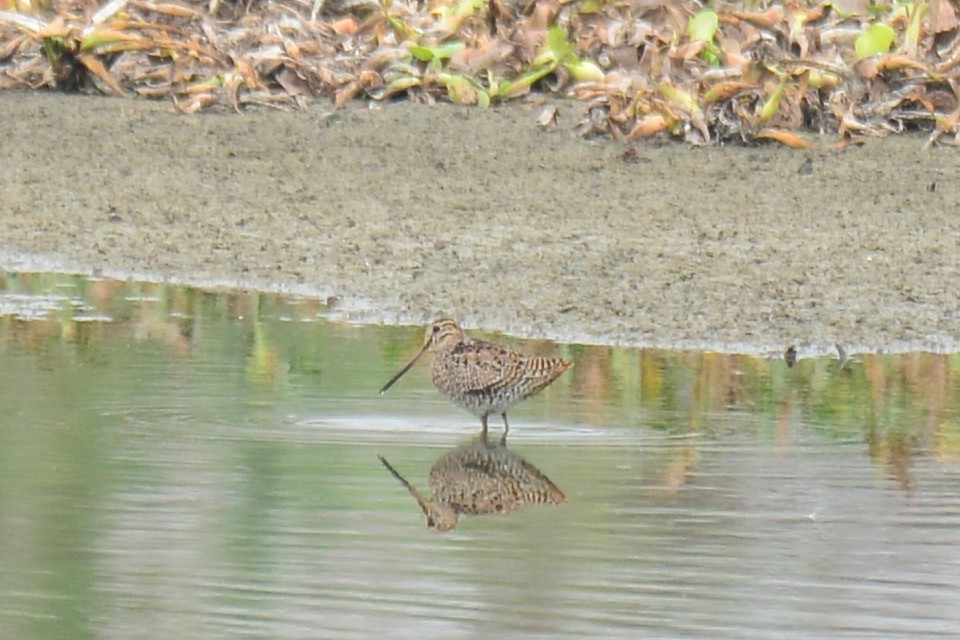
x=182 y=462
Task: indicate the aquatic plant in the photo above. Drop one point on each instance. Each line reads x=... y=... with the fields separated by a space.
x=758 y=71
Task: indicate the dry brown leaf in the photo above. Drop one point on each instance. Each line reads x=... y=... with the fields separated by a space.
x=346 y=93
x=486 y=55
x=788 y=138
x=94 y=66
x=769 y=19
x=943 y=17
x=193 y=103
x=647 y=126
x=892 y=62
x=723 y=91
x=170 y=9
x=293 y=83
x=347 y=26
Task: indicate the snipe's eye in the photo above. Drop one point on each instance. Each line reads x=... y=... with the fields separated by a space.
x=436 y=328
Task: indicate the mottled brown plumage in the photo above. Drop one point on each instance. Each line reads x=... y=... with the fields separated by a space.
x=482 y=377
x=480 y=478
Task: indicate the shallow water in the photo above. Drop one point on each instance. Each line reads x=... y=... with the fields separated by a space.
x=198 y=464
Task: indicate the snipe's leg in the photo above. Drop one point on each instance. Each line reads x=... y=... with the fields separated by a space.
x=483 y=421
x=506 y=427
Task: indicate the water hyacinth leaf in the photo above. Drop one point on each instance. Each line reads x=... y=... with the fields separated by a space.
x=877 y=39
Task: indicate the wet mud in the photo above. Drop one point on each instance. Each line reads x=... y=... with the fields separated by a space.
x=403 y=212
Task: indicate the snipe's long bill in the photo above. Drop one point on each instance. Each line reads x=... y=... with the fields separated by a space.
x=482 y=377
x=406 y=367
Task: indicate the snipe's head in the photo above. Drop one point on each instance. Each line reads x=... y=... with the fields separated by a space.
x=441 y=334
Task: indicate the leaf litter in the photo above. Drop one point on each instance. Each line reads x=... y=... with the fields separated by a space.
x=716 y=73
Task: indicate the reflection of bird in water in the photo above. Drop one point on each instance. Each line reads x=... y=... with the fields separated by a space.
x=478 y=478
x=482 y=377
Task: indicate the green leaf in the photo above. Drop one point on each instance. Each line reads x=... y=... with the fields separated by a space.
x=54 y=47
x=465 y=90
x=442 y=52
x=466 y=8
x=877 y=39
x=106 y=37
x=703 y=26
x=457 y=13
x=584 y=70
x=557 y=43
x=837 y=7
x=772 y=105
x=400 y=85
x=911 y=42
x=450 y=49
x=422 y=53
x=679 y=97
x=401 y=29
x=510 y=89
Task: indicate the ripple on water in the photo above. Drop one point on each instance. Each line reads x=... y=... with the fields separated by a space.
x=221 y=478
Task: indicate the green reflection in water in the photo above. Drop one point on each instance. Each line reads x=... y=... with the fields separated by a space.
x=155 y=432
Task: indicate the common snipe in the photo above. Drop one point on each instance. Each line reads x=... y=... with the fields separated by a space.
x=482 y=377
